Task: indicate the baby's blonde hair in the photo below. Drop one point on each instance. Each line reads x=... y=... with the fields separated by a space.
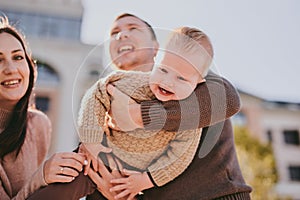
x=191 y=40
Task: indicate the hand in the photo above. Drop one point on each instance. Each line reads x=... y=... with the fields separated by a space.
x=125 y=113
x=131 y=185
x=103 y=182
x=91 y=151
x=63 y=167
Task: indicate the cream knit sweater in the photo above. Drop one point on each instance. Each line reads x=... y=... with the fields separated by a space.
x=21 y=176
x=165 y=155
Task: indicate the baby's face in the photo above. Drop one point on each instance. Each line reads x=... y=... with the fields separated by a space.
x=174 y=78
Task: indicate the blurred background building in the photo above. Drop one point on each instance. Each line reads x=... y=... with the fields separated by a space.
x=52 y=28
x=276 y=123
x=67 y=67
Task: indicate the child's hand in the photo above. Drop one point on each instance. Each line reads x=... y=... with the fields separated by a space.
x=91 y=150
x=131 y=185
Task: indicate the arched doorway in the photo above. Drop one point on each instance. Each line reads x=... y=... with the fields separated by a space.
x=47 y=95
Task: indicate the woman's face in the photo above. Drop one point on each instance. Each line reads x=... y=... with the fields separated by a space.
x=14 y=71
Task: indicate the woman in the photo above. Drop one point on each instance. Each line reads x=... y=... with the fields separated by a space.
x=24 y=131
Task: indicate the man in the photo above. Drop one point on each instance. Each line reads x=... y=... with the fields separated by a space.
x=214 y=171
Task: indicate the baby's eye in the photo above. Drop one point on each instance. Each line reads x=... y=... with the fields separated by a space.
x=181 y=78
x=163 y=70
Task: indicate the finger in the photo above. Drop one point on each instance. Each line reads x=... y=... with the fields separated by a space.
x=71 y=163
x=106 y=149
x=66 y=171
x=87 y=167
x=111 y=162
x=129 y=172
x=116 y=173
x=95 y=163
x=65 y=160
x=94 y=176
x=104 y=171
x=99 y=161
x=115 y=92
x=120 y=166
x=64 y=179
x=122 y=194
x=131 y=196
x=85 y=162
x=119 y=180
x=118 y=187
x=72 y=155
x=110 y=89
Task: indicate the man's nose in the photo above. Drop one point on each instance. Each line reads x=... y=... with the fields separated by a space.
x=122 y=35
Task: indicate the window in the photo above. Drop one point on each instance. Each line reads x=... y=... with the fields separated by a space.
x=294 y=172
x=45 y=26
x=46 y=73
x=269 y=136
x=291 y=137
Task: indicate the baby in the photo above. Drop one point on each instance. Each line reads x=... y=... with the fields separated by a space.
x=162 y=155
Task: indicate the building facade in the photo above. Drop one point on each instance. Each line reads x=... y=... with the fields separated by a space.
x=277 y=123
x=67 y=67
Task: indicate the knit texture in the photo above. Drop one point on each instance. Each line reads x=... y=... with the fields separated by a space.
x=213 y=101
x=214 y=176
x=165 y=154
x=22 y=175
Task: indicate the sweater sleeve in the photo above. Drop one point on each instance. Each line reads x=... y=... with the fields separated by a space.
x=176 y=159
x=36 y=181
x=91 y=115
x=92 y=112
x=40 y=125
x=213 y=101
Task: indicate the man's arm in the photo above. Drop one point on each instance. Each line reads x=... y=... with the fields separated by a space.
x=212 y=102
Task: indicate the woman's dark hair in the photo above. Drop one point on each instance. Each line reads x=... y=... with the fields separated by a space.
x=13 y=136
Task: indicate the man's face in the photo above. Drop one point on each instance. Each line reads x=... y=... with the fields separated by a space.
x=131 y=44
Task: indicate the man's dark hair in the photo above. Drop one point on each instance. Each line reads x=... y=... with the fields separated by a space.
x=132 y=15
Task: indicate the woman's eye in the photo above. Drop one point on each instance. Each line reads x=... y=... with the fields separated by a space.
x=18 y=57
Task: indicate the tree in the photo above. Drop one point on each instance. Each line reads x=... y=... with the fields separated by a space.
x=257 y=164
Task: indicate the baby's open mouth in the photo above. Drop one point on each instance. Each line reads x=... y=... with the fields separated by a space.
x=164 y=91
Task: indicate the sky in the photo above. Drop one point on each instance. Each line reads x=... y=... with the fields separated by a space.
x=256 y=42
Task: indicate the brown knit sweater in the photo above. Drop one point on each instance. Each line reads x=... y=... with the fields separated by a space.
x=216 y=100
x=164 y=154
x=216 y=175
x=21 y=176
